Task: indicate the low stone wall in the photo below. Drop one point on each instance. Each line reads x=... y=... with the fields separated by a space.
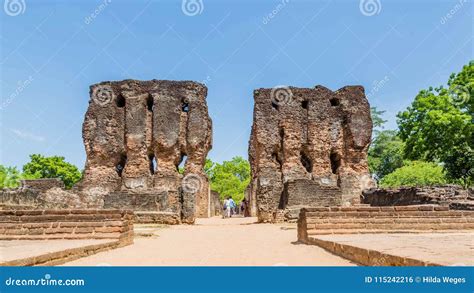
x=67 y=224
x=41 y=184
x=450 y=195
x=52 y=198
x=403 y=219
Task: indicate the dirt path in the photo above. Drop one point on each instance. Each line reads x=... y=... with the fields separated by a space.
x=217 y=242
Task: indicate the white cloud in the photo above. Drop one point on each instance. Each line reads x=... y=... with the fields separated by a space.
x=27 y=135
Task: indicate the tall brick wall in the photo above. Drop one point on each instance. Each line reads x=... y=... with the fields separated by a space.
x=308 y=136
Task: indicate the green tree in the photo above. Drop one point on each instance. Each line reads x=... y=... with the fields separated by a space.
x=52 y=167
x=230 y=178
x=385 y=154
x=461 y=88
x=9 y=177
x=416 y=173
x=377 y=120
x=438 y=126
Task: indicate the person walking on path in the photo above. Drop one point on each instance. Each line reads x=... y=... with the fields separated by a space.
x=225 y=208
x=230 y=206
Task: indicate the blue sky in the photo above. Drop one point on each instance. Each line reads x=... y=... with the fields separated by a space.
x=51 y=51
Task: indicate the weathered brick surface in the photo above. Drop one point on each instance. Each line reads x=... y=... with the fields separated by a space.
x=456 y=197
x=308 y=146
x=67 y=224
x=344 y=220
x=41 y=184
x=136 y=134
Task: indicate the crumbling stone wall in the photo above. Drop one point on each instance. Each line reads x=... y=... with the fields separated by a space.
x=46 y=194
x=42 y=184
x=136 y=134
x=456 y=197
x=309 y=139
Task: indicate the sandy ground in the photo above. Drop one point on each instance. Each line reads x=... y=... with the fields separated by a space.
x=19 y=249
x=449 y=249
x=217 y=242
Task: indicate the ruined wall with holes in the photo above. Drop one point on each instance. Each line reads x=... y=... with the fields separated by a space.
x=136 y=134
x=308 y=146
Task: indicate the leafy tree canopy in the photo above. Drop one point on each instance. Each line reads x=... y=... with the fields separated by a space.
x=385 y=154
x=438 y=126
x=229 y=178
x=9 y=177
x=416 y=173
x=52 y=167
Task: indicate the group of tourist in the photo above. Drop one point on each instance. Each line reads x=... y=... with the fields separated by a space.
x=230 y=208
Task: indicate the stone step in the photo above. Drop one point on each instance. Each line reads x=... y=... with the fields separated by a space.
x=377 y=231
x=148 y=217
x=389 y=220
x=378 y=209
x=374 y=214
x=314 y=228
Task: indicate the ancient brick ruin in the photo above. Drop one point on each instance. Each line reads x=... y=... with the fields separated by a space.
x=454 y=196
x=308 y=147
x=136 y=134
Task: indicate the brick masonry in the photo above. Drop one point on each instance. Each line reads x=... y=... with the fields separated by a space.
x=453 y=196
x=313 y=223
x=350 y=220
x=67 y=224
x=306 y=138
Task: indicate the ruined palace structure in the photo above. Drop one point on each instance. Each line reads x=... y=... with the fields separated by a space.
x=308 y=147
x=136 y=134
